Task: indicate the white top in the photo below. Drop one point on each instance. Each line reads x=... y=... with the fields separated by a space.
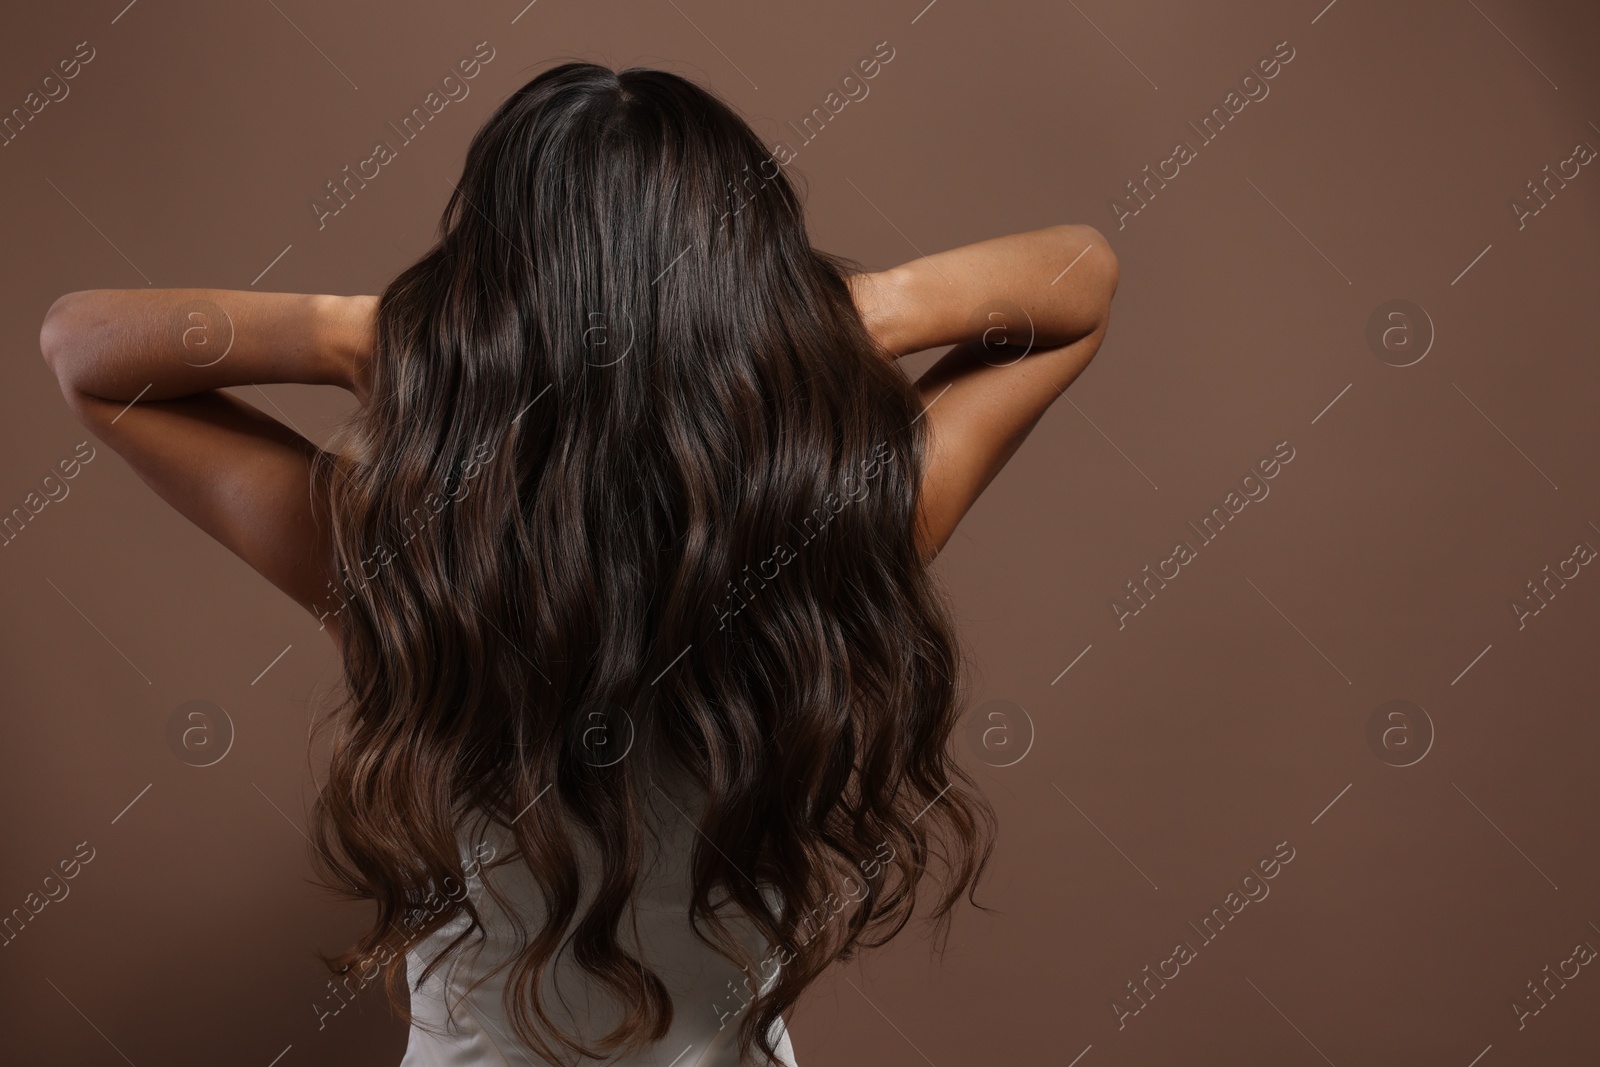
x=708 y=991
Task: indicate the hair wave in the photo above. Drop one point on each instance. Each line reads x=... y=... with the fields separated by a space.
x=629 y=447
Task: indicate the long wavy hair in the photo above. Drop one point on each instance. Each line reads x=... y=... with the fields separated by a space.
x=629 y=447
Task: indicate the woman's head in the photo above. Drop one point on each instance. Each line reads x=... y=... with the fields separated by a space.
x=633 y=486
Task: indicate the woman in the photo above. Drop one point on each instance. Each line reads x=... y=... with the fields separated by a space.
x=626 y=554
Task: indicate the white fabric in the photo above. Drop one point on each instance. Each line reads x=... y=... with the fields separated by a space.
x=708 y=991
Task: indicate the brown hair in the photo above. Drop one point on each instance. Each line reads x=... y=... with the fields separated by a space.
x=630 y=453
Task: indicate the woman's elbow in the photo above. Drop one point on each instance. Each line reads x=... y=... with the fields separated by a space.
x=63 y=331
x=1095 y=272
x=1107 y=271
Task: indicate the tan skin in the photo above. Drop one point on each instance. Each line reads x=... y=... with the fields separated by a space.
x=245 y=478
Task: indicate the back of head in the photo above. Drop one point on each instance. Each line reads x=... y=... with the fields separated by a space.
x=633 y=488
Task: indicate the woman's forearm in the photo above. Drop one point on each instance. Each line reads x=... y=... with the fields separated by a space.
x=157 y=344
x=1043 y=288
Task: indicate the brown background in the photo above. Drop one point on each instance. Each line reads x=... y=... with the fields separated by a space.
x=1221 y=721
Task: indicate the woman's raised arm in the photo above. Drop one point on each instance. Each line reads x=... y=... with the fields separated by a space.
x=143 y=370
x=1025 y=312
x=157 y=344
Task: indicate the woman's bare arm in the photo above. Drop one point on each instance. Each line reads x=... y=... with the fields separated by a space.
x=157 y=344
x=143 y=370
x=1025 y=313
